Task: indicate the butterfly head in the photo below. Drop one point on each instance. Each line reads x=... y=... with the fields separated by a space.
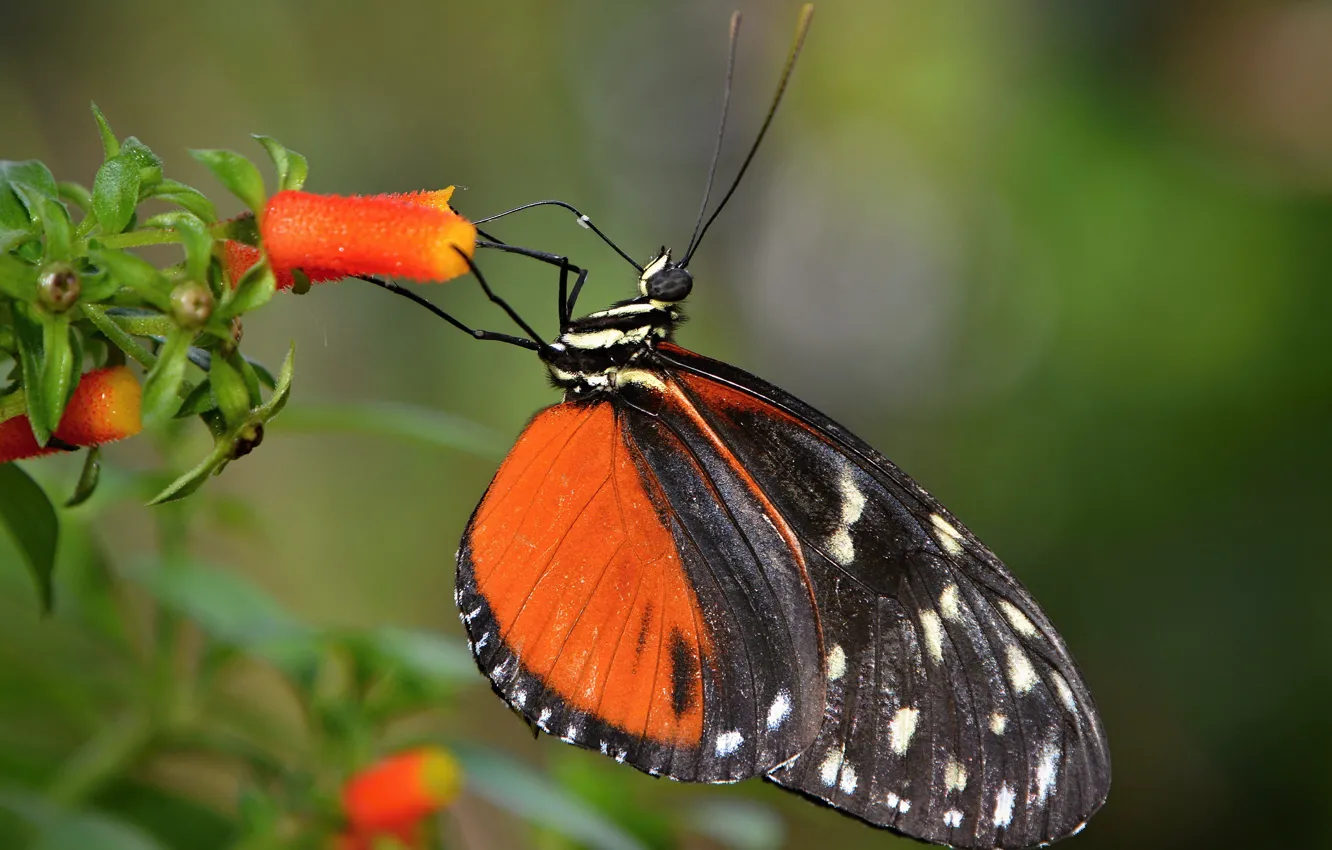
x=665 y=281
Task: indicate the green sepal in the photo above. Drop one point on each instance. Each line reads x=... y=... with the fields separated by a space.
x=138 y=274
x=88 y=478
x=185 y=197
x=244 y=229
x=229 y=390
x=161 y=389
x=31 y=519
x=110 y=145
x=254 y=289
x=236 y=173
x=292 y=168
x=116 y=193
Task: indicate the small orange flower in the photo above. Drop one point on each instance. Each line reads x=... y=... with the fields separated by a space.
x=393 y=796
x=415 y=236
x=104 y=408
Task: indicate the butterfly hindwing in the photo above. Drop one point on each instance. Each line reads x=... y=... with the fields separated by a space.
x=954 y=712
x=616 y=601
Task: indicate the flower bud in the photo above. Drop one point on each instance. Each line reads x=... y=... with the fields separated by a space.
x=191 y=304
x=103 y=408
x=58 y=288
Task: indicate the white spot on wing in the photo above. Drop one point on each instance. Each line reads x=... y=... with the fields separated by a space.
x=485 y=639
x=1064 y=691
x=949 y=538
x=904 y=806
x=902 y=727
x=520 y=698
x=933 y=635
x=729 y=742
x=998 y=723
x=832 y=763
x=471 y=615
x=952 y=818
x=849 y=780
x=1003 y=805
x=1017 y=619
x=779 y=710
x=948 y=602
x=892 y=800
x=543 y=718
x=1020 y=671
x=853 y=505
x=571 y=734
x=1046 y=772
x=836 y=663
x=955 y=776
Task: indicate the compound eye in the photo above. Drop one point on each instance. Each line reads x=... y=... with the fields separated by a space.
x=671 y=284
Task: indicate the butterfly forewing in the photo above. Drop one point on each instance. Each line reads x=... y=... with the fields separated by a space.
x=625 y=592
x=954 y=712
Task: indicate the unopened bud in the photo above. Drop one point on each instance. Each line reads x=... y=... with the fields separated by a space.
x=191 y=304
x=59 y=288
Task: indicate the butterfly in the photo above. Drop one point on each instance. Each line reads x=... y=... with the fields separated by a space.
x=690 y=570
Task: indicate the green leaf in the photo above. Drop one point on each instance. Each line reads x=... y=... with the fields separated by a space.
x=192 y=480
x=60 y=372
x=236 y=173
x=14 y=214
x=281 y=390
x=738 y=824
x=54 y=827
x=186 y=197
x=161 y=389
x=427 y=656
x=138 y=274
x=226 y=606
x=292 y=168
x=197 y=241
x=18 y=279
x=116 y=193
x=29 y=334
x=58 y=229
x=76 y=194
x=396 y=421
x=88 y=478
x=518 y=789
x=150 y=165
x=229 y=389
x=200 y=400
x=256 y=288
x=110 y=147
x=32 y=522
x=98 y=286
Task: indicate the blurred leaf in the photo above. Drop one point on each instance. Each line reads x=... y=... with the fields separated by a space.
x=110 y=146
x=423 y=655
x=57 y=828
x=32 y=522
x=14 y=214
x=161 y=389
x=88 y=478
x=116 y=193
x=237 y=173
x=18 y=279
x=186 y=197
x=192 y=480
x=738 y=824
x=226 y=606
x=396 y=421
x=517 y=788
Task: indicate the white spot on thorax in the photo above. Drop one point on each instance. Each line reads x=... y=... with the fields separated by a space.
x=849 y=780
x=641 y=377
x=902 y=727
x=836 y=663
x=832 y=763
x=623 y=310
x=593 y=339
x=952 y=818
x=955 y=776
x=729 y=742
x=853 y=505
x=1020 y=671
x=949 y=538
x=779 y=710
x=948 y=602
x=1003 y=805
x=933 y=635
x=998 y=723
x=1017 y=619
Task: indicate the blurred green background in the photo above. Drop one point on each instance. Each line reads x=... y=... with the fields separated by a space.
x=1066 y=263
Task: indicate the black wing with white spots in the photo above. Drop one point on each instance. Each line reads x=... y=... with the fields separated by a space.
x=955 y=713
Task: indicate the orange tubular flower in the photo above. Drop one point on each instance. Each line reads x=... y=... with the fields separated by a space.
x=104 y=408
x=393 y=796
x=415 y=236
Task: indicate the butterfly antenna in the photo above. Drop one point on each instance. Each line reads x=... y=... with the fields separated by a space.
x=802 y=27
x=721 y=129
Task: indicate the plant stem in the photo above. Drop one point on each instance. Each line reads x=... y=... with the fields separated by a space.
x=105 y=756
x=137 y=238
x=114 y=332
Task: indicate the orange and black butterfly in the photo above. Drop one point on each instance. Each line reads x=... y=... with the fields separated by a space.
x=691 y=571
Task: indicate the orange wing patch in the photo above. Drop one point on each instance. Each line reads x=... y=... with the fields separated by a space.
x=584 y=580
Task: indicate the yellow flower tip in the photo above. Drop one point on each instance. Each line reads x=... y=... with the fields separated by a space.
x=105 y=407
x=438 y=199
x=401 y=789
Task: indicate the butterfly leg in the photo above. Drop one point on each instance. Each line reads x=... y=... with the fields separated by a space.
x=389 y=285
x=567 y=299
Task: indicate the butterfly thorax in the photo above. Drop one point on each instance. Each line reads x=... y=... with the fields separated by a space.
x=595 y=354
